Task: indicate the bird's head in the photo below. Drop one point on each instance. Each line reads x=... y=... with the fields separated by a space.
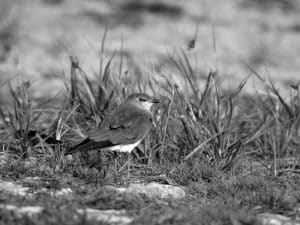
x=143 y=100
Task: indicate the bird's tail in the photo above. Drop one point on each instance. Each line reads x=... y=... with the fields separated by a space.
x=87 y=145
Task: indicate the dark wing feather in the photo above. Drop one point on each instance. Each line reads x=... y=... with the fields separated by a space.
x=129 y=126
x=124 y=120
x=87 y=145
x=121 y=117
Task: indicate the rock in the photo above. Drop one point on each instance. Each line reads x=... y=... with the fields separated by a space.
x=276 y=219
x=13 y=188
x=108 y=216
x=17 y=189
x=28 y=210
x=62 y=192
x=155 y=190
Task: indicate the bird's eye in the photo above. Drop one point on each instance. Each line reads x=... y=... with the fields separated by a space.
x=142 y=99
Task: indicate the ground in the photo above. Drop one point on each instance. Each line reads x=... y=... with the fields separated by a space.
x=226 y=140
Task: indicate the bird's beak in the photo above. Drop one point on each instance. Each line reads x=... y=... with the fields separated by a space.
x=154 y=100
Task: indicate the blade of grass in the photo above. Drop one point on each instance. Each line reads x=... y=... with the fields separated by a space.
x=102 y=48
x=285 y=105
x=106 y=74
x=199 y=147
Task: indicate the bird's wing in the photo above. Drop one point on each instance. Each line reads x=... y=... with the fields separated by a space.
x=123 y=127
x=124 y=119
x=87 y=145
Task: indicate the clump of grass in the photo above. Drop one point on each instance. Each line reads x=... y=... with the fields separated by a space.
x=196 y=170
x=28 y=124
x=211 y=120
x=222 y=126
x=15 y=168
x=21 y=118
x=24 y=121
x=279 y=142
x=250 y=191
x=94 y=96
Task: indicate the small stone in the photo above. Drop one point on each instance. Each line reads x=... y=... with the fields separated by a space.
x=108 y=216
x=28 y=210
x=276 y=219
x=63 y=192
x=13 y=188
x=155 y=190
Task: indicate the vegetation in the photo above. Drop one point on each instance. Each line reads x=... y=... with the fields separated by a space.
x=236 y=154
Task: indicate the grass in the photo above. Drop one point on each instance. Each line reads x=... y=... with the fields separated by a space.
x=235 y=153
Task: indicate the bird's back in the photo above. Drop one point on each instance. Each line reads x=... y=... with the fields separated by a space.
x=127 y=124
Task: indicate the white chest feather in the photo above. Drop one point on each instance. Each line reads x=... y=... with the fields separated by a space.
x=123 y=148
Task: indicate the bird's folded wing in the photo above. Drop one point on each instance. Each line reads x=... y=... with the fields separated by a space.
x=126 y=128
x=124 y=120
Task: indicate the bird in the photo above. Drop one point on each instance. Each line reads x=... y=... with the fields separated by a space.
x=122 y=129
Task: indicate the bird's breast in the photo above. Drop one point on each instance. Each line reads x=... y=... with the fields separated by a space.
x=123 y=148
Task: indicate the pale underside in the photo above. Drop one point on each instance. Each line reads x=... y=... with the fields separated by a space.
x=122 y=148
